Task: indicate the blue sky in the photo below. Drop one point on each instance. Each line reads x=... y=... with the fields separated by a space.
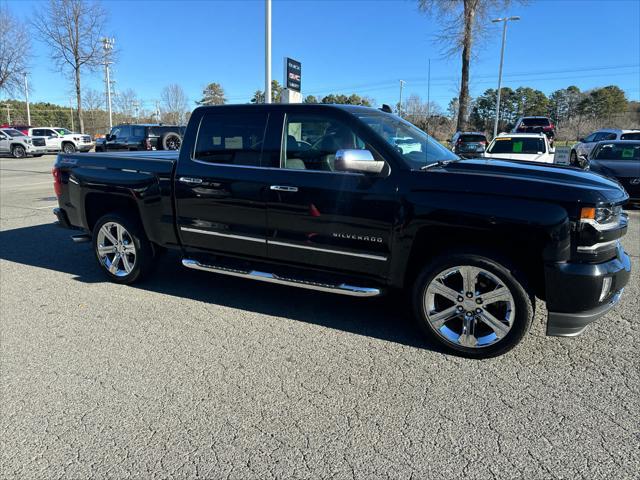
x=350 y=46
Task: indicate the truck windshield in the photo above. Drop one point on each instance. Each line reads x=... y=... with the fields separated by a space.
x=14 y=133
x=416 y=147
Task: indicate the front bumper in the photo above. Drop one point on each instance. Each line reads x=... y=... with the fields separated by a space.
x=33 y=150
x=574 y=291
x=85 y=147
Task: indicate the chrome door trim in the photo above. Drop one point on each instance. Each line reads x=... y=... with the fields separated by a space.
x=225 y=235
x=190 y=180
x=283 y=188
x=327 y=250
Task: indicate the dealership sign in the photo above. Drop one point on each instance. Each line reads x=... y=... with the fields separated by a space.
x=293 y=74
x=561 y=155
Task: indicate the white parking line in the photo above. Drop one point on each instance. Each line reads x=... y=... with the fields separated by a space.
x=48 y=206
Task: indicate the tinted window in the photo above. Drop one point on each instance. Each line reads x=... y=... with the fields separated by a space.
x=604 y=136
x=137 y=131
x=630 y=136
x=311 y=141
x=590 y=138
x=517 y=145
x=473 y=138
x=14 y=133
x=235 y=139
x=617 y=151
x=535 y=122
x=38 y=132
x=124 y=131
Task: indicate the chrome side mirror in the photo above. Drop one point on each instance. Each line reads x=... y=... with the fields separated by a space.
x=361 y=161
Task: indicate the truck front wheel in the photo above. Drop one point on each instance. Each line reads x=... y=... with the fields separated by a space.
x=472 y=305
x=68 y=147
x=122 y=249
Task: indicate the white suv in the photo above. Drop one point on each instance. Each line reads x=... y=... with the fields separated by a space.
x=586 y=144
x=60 y=139
x=531 y=147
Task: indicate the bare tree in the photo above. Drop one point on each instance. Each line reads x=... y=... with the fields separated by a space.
x=127 y=103
x=175 y=104
x=93 y=104
x=465 y=24
x=72 y=29
x=14 y=51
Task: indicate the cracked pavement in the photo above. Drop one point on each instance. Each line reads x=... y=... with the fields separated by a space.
x=194 y=375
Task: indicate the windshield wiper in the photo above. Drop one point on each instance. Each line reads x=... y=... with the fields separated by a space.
x=439 y=163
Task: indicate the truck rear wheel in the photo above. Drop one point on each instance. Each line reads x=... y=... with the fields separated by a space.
x=122 y=249
x=171 y=141
x=18 y=151
x=472 y=305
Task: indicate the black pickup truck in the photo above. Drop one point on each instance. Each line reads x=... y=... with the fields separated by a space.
x=356 y=201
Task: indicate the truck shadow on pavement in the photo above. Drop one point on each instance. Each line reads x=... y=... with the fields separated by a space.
x=386 y=318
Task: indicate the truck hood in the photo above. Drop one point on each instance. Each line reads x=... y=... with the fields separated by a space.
x=537 y=181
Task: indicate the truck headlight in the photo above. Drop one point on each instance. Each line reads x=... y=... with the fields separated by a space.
x=601 y=218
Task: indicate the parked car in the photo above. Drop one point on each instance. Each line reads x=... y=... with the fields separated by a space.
x=536 y=125
x=586 y=144
x=472 y=241
x=20 y=145
x=61 y=139
x=531 y=147
x=468 y=144
x=143 y=137
x=619 y=159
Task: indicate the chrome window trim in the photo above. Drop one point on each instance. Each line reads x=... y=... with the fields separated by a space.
x=327 y=250
x=225 y=235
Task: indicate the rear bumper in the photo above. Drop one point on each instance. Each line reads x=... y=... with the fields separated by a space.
x=574 y=292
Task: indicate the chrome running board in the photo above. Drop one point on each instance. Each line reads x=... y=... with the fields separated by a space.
x=343 y=288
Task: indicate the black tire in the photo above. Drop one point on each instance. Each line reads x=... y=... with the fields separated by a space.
x=68 y=147
x=508 y=277
x=142 y=261
x=37 y=155
x=171 y=141
x=18 y=151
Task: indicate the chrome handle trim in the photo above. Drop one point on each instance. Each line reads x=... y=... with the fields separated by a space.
x=283 y=188
x=190 y=180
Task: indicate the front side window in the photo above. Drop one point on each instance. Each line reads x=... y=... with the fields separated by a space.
x=416 y=147
x=618 y=151
x=517 y=145
x=590 y=138
x=233 y=139
x=63 y=131
x=310 y=142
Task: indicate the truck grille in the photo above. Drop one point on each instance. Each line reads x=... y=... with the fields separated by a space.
x=39 y=142
x=86 y=139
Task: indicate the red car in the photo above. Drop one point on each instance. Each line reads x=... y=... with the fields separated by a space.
x=21 y=128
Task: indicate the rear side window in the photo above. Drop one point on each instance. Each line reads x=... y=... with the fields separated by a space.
x=518 y=145
x=232 y=139
x=630 y=136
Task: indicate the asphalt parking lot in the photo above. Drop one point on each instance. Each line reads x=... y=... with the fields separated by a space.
x=193 y=375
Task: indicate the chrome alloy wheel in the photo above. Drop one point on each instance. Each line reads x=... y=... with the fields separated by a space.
x=115 y=249
x=469 y=306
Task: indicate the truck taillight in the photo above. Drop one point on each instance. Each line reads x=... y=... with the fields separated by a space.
x=57 y=182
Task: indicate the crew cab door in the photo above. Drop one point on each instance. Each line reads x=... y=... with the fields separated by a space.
x=220 y=184
x=4 y=143
x=325 y=218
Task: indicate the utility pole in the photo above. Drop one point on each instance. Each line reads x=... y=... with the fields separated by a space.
x=71 y=111
x=8 y=113
x=428 y=95
x=267 y=53
x=402 y=82
x=158 y=119
x=107 y=47
x=136 y=106
x=26 y=96
x=504 y=37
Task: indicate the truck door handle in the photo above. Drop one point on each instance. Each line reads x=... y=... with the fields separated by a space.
x=283 y=188
x=190 y=180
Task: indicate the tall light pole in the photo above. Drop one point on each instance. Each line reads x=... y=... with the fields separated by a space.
x=107 y=47
x=26 y=96
x=267 y=52
x=504 y=21
x=402 y=82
